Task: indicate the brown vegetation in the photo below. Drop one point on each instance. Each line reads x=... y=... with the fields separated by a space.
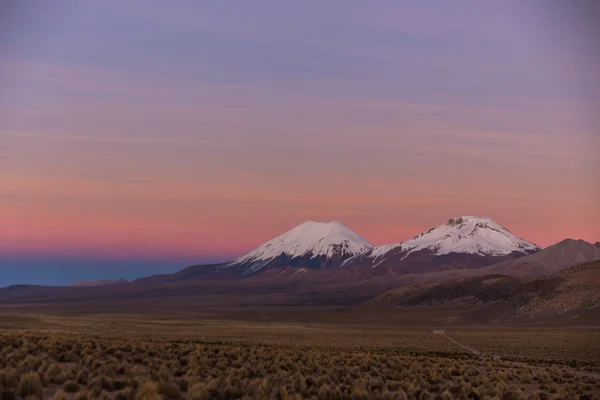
x=573 y=288
x=69 y=366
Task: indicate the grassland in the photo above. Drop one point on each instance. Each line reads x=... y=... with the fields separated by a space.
x=143 y=357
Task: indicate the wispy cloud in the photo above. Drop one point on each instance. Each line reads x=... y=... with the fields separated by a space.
x=206 y=128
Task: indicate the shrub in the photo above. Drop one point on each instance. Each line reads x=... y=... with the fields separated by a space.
x=30 y=386
x=82 y=395
x=8 y=384
x=60 y=395
x=163 y=373
x=71 y=387
x=52 y=372
x=8 y=379
x=61 y=378
x=400 y=395
x=183 y=384
x=232 y=392
x=82 y=377
x=359 y=393
x=137 y=371
x=198 y=392
x=101 y=383
x=283 y=393
x=148 y=391
x=120 y=384
x=168 y=390
x=105 y=396
x=126 y=394
x=512 y=395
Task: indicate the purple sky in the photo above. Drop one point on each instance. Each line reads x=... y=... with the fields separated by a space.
x=136 y=130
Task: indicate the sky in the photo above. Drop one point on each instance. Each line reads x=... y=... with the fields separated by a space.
x=139 y=137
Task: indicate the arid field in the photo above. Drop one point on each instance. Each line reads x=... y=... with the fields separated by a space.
x=144 y=357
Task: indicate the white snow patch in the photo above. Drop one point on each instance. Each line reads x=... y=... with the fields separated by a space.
x=315 y=238
x=468 y=234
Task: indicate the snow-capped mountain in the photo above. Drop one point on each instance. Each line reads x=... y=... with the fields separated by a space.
x=310 y=244
x=462 y=242
x=470 y=235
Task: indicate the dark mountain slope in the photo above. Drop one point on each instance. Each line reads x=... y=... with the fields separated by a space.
x=552 y=259
x=573 y=289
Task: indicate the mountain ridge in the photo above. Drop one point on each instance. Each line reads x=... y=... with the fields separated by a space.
x=461 y=242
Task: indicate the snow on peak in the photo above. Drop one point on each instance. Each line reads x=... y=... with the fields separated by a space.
x=466 y=234
x=311 y=238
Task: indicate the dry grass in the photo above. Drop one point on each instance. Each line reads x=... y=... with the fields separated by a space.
x=141 y=357
x=77 y=366
x=578 y=348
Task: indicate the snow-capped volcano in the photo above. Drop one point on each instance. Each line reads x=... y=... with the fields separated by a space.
x=310 y=244
x=469 y=235
x=462 y=242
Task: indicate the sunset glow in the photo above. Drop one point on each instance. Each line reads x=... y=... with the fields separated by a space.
x=133 y=129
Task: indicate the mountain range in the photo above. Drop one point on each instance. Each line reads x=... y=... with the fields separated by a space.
x=460 y=247
x=465 y=242
x=470 y=261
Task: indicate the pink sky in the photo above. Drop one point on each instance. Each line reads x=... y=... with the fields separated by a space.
x=207 y=140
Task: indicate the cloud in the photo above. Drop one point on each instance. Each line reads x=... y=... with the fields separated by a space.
x=206 y=129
